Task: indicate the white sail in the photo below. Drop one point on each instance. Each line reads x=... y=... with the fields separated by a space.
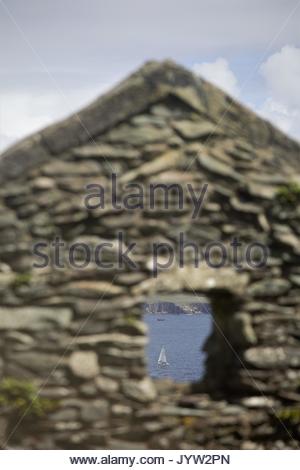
x=162 y=360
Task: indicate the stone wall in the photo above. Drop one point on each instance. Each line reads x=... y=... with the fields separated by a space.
x=74 y=340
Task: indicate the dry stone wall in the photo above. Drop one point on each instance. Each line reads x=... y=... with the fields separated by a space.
x=72 y=340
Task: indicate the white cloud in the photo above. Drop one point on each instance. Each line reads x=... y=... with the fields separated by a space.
x=286 y=119
x=220 y=74
x=281 y=73
x=22 y=113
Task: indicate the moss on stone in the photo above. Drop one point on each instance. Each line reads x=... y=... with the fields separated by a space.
x=289 y=195
x=130 y=320
x=189 y=421
x=21 y=279
x=23 y=396
x=290 y=414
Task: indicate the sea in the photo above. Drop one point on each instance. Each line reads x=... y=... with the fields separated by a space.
x=182 y=336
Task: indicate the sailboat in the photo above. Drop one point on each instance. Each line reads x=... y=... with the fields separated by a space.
x=162 y=360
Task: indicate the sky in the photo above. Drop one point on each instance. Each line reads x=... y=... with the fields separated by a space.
x=58 y=55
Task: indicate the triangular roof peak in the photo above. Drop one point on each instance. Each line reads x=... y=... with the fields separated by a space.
x=151 y=83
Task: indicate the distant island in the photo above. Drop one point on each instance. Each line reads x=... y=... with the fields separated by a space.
x=177 y=308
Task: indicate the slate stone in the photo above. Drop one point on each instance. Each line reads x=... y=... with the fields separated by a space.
x=142 y=391
x=60 y=168
x=271 y=358
x=38 y=362
x=130 y=326
x=140 y=135
x=259 y=402
x=84 y=364
x=94 y=411
x=269 y=288
x=246 y=208
x=288 y=239
x=112 y=339
x=166 y=161
x=241 y=154
x=145 y=119
x=295 y=279
x=103 y=151
x=43 y=183
x=92 y=289
x=121 y=410
x=161 y=110
x=211 y=164
x=67 y=414
x=34 y=318
x=106 y=384
x=196 y=130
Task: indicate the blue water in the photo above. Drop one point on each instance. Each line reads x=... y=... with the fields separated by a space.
x=183 y=337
